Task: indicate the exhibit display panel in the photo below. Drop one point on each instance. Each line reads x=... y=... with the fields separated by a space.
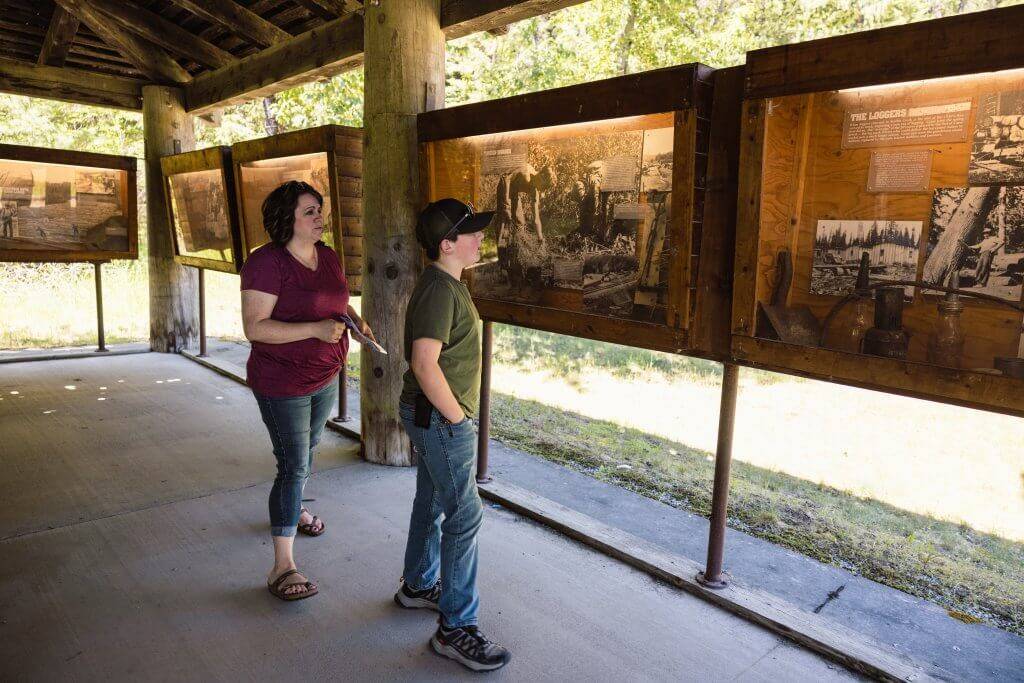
x=880 y=238
x=200 y=192
x=330 y=158
x=600 y=203
x=64 y=206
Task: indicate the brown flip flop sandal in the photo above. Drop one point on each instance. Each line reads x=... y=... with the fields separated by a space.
x=277 y=588
x=310 y=529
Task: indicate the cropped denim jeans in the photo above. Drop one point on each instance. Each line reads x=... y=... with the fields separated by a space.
x=445 y=485
x=295 y=425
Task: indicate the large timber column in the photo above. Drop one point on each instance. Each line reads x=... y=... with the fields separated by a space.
x=404 y=75
x=173 y=289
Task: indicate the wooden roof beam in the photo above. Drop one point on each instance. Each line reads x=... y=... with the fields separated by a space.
x=62 y=30
x=143 y=55
x=337 y=46
x=164 y=33
x=69 y=85
x=330 y=49
x=236 y=19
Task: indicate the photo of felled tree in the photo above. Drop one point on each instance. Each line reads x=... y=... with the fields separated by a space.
x=977 y=233
x=997 y=149
x=199 y=208
x=571 y=222
x=53 y=207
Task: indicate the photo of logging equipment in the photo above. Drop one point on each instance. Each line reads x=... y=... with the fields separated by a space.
x=330 y=158
x=64 y=206
x=613 y=200
x=200 y=191
x=880 y=227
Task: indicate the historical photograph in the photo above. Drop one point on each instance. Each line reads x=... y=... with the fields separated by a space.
x=61 y=208
x=260 y=178
x=997 y=152
x=977 y=233
x=585 y=213
x=892 y=248
x=201 y=223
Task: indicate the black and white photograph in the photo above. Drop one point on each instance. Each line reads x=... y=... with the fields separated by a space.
x=893 y=248
x=977 y=233
x=997 y=152
x=200 y=212
x=571 y=214
x=52 y=207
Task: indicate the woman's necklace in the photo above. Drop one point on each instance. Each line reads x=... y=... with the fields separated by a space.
x=311 y=264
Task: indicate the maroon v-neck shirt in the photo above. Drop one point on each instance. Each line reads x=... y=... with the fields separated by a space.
x=303 y=296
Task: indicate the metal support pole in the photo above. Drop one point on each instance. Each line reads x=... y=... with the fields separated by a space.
x=712 y=576
x=202 y=312
x=342 y=394
x=484 y=434
x=101 y=338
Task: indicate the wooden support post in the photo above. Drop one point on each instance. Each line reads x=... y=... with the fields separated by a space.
x=712 y=577
x=484 y=435
x=404 y=51
x=101 y=337
x=173 y=318
x=202 y=312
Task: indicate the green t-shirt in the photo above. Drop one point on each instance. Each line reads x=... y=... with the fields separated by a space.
x=441 y=308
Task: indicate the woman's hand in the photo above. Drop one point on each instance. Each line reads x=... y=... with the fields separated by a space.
x=365 y=329
x=330 y=331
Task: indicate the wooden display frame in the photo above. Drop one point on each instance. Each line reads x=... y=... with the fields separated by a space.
x=344 y=148
x=701 y=224
x=129 y=198
x=209 y=159
x=772 y=192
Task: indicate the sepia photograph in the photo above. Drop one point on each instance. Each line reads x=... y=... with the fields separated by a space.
x=260 y=178
x=978 y=234
x=585 y=212
x=892 y=247
x=46 y=207
x=997 y=152
x=200 y=211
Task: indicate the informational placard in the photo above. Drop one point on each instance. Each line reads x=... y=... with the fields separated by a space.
x=906 y=125
x=900 y=171
x=619 y=174
x=501 y=160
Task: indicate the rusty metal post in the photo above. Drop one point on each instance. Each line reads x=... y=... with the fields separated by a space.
x=712 y=576
x=484 y=434
x=342 y=394
x=202 y=312
x=101 y=337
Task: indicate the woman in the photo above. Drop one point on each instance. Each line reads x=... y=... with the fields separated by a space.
x=294 y=295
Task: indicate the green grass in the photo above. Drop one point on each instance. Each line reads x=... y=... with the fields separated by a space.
x=569 y=357
x=973 y=575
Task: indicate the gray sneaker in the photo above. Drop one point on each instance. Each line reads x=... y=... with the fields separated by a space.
x=424 y=599
x=470 y=648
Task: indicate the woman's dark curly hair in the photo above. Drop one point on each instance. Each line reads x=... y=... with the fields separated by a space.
x=279 y=209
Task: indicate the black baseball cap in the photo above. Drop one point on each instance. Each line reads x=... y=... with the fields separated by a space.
x=446 y=218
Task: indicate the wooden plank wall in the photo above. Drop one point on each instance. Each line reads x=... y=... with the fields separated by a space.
x=807 y=177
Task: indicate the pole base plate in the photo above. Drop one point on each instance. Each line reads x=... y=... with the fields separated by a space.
x=716 y=584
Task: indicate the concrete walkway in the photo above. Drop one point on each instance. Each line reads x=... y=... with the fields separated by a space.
x=946 y=647
x=134 y=536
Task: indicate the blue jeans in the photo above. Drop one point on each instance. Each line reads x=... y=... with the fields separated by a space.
x=445 y=484
x=295 y=425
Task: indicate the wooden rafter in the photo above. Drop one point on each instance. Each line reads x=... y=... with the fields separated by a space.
x=145 y=56
x=237 y=20
x=71 y=85
x=325 y=9
x=335 y=47
x=57 y=41
x=164 y=33
x=332 y=48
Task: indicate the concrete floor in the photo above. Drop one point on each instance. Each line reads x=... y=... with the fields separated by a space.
x=135 y=544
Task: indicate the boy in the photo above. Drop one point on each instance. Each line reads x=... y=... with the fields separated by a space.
x=440 y=395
